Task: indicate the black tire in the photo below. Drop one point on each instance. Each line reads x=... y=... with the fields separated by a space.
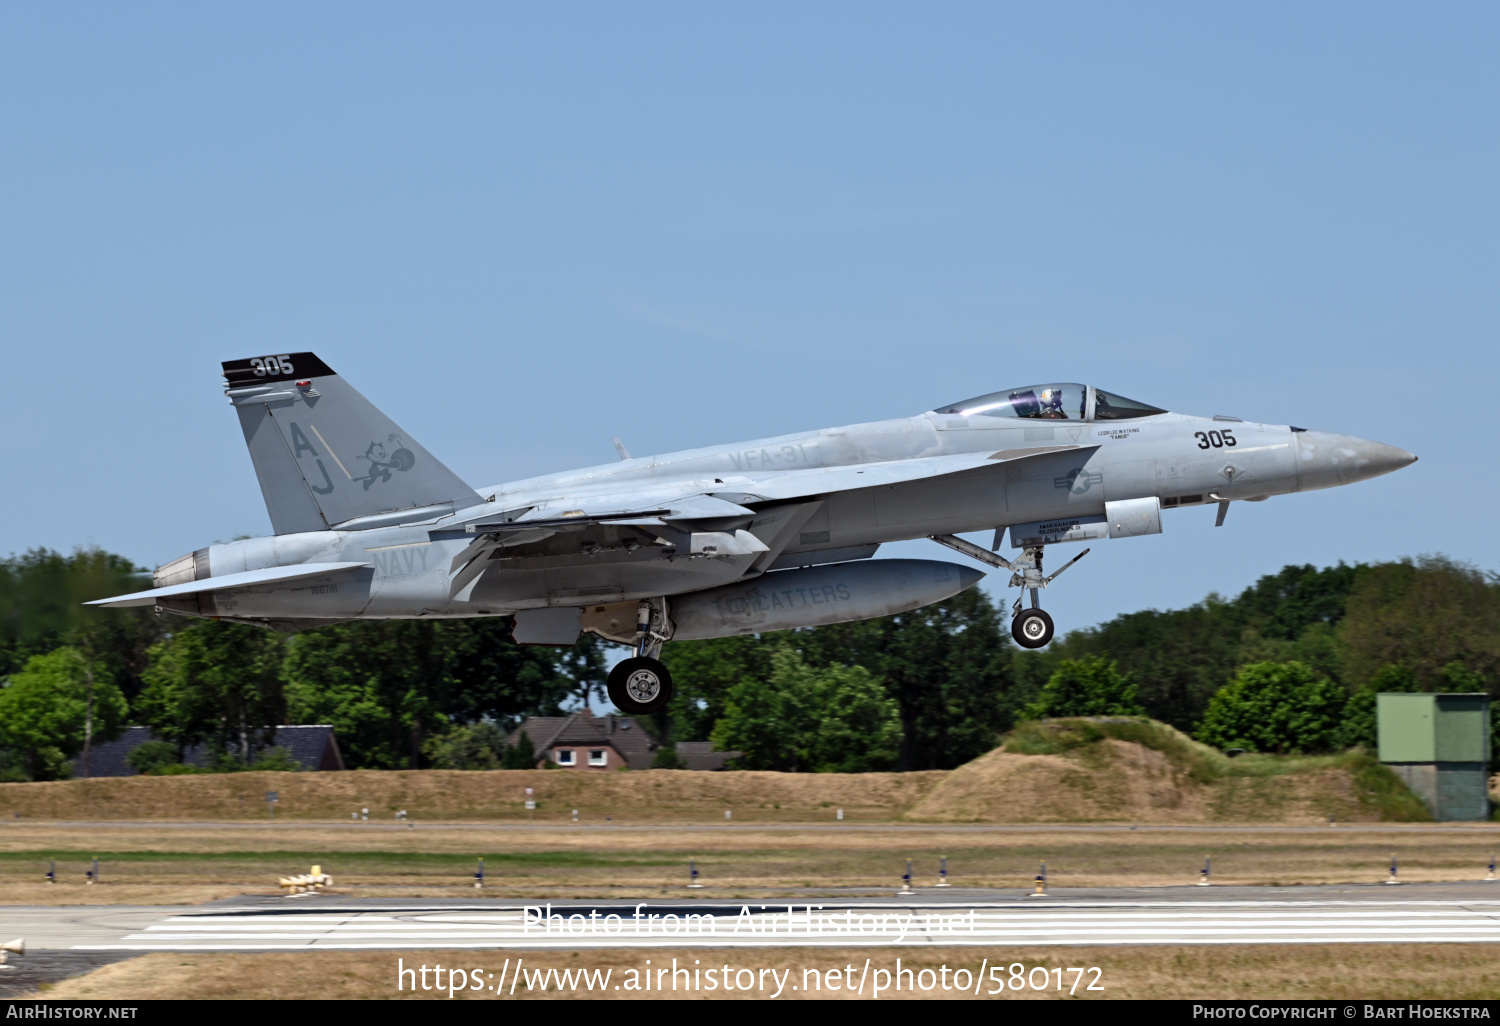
x=1032 y=628
x=640 y=685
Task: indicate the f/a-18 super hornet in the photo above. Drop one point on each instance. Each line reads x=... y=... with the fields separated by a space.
x=762 y=536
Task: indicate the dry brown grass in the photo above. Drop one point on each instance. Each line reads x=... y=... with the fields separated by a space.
x=658 y=819
x=1106 y=780
x=498 y=795
x=173 y=864
x=29 y=892
x=1337 y=972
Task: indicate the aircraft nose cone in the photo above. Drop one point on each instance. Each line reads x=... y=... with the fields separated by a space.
x=1326 y=460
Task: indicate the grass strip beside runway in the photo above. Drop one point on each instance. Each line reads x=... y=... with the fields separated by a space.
x=191 y=864
x=1347 y=972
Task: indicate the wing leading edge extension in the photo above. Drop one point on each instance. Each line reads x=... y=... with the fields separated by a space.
x=798 y=484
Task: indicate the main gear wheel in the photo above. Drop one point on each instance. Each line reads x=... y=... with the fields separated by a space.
x=641 y=685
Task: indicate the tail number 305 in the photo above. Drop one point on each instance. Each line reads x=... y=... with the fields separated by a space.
x=283 y=365
x=1216 y=439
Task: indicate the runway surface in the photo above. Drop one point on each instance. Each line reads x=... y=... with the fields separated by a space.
x=1467 y=913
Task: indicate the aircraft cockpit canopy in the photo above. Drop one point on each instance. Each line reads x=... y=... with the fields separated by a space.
x=1108 y=406
x=1052 y=402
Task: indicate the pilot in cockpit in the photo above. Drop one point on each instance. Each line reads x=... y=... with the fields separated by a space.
x=1051 y=400
x=1041 y=404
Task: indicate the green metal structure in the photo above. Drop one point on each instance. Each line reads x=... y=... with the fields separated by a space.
x=1440 y=746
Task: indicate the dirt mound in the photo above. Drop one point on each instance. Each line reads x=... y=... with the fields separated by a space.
x=1116 y=781
x=1119 y=781
x=1084 y=770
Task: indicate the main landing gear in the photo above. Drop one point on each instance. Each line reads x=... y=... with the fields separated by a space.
x=642 y=685
x=1031 y=627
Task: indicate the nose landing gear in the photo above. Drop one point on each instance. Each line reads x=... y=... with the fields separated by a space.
x=1032 y=628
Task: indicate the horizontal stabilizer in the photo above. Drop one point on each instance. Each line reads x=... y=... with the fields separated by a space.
x=248 y=578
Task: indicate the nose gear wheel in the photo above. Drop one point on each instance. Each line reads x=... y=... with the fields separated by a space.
x=640 y=685
x=1032 y=628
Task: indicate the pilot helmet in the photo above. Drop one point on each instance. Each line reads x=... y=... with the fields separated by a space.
x=1051 y=398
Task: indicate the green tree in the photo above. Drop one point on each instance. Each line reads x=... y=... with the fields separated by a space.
x=763 y=722
x=381 y=683
x=1180 y=658
x=1275 y=707
x=1360 y=728
x=1284 y=605
x=585 y=663
x=704 y=671
x=41 y=608
x=947 y=666
x=1093 y=686
x=1424 y=615
x=521 y=755
x=153 y=756
x=474 y=746
x=216 y=683
x=856 y=724
x=273 y=758
x=48 y=709
x=666 y=757
x=1457 y=678
x=810 y=719
x=387 y=685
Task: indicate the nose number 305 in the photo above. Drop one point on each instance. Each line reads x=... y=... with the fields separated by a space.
x=1216 y=439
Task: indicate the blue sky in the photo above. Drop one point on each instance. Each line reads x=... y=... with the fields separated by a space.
x=524 y=229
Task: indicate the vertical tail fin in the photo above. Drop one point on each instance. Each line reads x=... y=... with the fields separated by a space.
x=324 y=454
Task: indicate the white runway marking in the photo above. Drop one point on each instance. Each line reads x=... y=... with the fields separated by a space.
x=724 y=925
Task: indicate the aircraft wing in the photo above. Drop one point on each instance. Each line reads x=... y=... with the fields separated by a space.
x=673 y=516
x=796 y=484
x=665 y=503
x=240 y=580
x=665 y=508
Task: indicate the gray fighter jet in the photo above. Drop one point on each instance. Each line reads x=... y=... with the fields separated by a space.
x=762 y=536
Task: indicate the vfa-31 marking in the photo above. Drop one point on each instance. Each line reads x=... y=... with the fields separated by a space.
x=772 y=534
